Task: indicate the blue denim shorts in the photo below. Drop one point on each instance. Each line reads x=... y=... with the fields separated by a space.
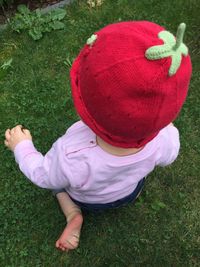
x=118 y=203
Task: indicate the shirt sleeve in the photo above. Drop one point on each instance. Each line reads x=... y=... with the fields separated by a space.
x=44 y=171
x=169 y=145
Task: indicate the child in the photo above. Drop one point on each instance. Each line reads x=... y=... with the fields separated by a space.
x=129 y=83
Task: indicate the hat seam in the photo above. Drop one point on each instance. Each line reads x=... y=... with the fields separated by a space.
x=116 y=63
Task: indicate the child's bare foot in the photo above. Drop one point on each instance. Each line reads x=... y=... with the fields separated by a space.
x=69 y=238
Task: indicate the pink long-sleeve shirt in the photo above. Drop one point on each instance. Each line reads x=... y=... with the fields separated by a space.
x=89 y=174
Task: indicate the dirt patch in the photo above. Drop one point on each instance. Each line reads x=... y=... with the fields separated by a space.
x=7 y=11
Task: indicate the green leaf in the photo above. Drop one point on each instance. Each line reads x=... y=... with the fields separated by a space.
x=68 y=62
x=57 y=25
x=38 y=12
x=47 y=17
x=35 y=34
x=6 y=64
x=58 y=14
x=157 y=205
x=23 y=9
x=17 y=25
x=47 y=28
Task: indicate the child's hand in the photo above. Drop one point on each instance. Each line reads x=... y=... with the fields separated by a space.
x=15 y=136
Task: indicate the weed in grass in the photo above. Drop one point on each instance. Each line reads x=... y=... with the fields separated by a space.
x=94 y=3
x=68 y=62
x=37 y=23
x=4 y=67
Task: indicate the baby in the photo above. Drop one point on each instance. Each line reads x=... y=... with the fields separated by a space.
x=129 y=83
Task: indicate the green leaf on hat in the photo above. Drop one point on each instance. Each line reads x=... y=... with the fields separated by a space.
x=172 y=47
x=92 y=39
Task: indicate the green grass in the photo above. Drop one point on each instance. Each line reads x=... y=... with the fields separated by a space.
x=36 y=92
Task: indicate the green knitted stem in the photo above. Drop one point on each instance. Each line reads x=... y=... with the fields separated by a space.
x=172 y=47
x=179 y=35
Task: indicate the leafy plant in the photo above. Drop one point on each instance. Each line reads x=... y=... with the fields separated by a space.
x=36 y=22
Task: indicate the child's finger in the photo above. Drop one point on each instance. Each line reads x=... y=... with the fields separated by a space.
x=18 y=128
x=12 y=131
x=26 y=131
x=7 y=134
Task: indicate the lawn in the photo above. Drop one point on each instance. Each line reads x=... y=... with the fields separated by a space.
x=163 y=227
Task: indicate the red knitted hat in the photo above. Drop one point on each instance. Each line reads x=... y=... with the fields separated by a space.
x=130 y=80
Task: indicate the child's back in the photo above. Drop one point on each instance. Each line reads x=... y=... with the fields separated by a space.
x=89 y=173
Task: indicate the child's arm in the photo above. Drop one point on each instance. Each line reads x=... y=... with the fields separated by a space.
x=42 y=170
x=169 y=145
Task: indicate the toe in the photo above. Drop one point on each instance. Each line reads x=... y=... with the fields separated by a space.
x=57 y=244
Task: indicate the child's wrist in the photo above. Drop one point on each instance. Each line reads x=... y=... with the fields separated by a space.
x=22 y=149
x=21 y=144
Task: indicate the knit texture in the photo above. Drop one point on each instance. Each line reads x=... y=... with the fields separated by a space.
x=125 y=98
